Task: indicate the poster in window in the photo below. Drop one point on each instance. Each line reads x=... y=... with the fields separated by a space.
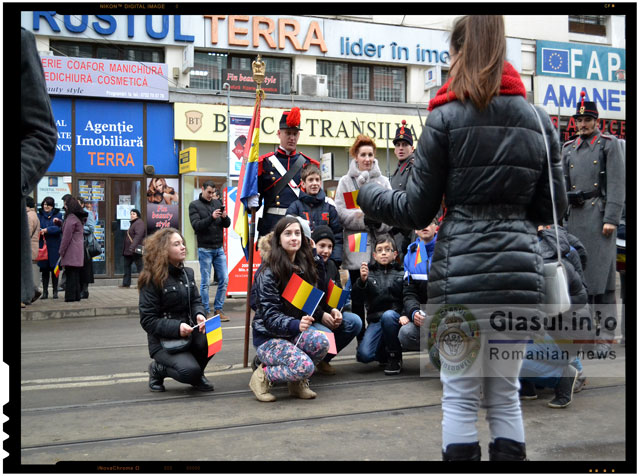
x=54 y=187
x=163 y=204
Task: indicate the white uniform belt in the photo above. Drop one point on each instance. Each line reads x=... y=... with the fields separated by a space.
x=417 y=277
x=277 y=211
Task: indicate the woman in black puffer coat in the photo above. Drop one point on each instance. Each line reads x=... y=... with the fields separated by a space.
x=483 y=150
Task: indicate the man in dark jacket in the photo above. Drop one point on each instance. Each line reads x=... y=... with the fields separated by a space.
x=403 y=148
x=38 y=137
x=208 y=217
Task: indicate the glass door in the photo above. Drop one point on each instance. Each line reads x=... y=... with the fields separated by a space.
x=125 y=195
x=93 y=193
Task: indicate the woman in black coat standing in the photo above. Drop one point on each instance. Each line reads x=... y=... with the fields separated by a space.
x=170 y=306
x=482 y=148
x=134 y=237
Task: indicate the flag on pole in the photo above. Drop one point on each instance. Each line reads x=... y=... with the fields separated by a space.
x=248 y=180
x=351 y=199
x=302 y=295
x=358 y=243
x=336 y=297
x=56 y=270
x=214 y=334
x=418 y=256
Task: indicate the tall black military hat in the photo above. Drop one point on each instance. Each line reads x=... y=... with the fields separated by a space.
x=290 y=119
x=403 y=133
x=586 y=108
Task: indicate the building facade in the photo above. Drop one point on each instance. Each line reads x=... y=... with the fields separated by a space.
x=134 y=95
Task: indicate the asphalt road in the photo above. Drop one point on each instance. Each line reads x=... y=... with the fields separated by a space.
x=84 y=398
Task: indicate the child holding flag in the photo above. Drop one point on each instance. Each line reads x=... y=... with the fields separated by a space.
x=381 y=287
x=350 y=326
x=285 y=343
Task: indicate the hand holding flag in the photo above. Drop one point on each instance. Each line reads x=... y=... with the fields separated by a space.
x=213 y=330
x=302 y=295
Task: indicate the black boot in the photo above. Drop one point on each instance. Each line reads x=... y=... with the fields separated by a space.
x=54 y=284
x=157 y=373
x=45 y=285
x=462 y=452
x=504 y=449
x=203 y=385
x=394 y=364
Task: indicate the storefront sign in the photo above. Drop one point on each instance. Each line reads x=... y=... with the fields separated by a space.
x=62 y=113
x=568 y=127
x=188 y=160
x=327 y=128
x=109 y=137
x=163 y=204
x=237 y=140
x=579 y=61
x=106 y=78
x=561 y=96
x=240 y=80
x=54 y=187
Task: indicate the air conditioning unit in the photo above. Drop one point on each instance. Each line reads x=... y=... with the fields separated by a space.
x=313 y=85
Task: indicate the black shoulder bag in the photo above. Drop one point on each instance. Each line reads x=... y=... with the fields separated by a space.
x=173 y=346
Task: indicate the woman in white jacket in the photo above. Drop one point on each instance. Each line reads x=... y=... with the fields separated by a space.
x=362 y=169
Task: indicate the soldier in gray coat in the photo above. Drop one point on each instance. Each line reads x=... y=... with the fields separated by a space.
x=594 y=171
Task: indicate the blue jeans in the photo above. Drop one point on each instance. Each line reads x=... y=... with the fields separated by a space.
x=206 y=256
x=380 y=336
x=346 y=331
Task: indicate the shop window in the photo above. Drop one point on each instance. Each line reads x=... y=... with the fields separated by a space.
x=208 y=67
x=588 y=24
x=376 y=83
x=106 y=51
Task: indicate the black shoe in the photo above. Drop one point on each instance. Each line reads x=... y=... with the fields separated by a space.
x=55 y=295
x=462 y=452
x=45 y=294
x=204 y=385
x=394 y=365
x=527 y=390
x=504 y=449
x=255 y=363
x=564 y=389
x=157 y=373
x=36 y=296
x=84 y=295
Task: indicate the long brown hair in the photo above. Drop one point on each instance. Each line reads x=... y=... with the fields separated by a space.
x=481 y=47
x=155 y=259
x=279 y=261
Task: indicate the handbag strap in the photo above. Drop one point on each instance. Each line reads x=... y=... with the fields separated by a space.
x=553 y=195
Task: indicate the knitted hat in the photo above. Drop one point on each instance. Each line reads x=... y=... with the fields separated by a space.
x=403 y=133
x=321 y=232
x=586 y=108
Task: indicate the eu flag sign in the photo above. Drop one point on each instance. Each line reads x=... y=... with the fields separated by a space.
x=555 y=61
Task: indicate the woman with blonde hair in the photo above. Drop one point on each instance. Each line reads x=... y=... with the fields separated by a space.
x=482 y=148
x=363 y=169
x=170 y=307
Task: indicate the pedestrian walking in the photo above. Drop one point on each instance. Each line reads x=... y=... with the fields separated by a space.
x=88 y=227
x=51 y=228
x=131 y=246
x=208 y=217
x=594 y=170
x=170 y=306
x=482 y=148
x=363 y=169
x=286 y=344
x=72 y=250
x=34 y=235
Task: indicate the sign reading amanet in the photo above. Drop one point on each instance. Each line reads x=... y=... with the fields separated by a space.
x=204 y=122
x=105 y=78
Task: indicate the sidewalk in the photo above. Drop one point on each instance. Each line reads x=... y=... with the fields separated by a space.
x=105 y=301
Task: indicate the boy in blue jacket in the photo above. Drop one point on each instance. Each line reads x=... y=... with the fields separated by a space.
x=417 y=262
x=318 y=209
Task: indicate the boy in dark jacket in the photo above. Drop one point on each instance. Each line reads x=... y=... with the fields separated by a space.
x=381 y=288
x=417 y=262
x=548 y=371
x=315 y=207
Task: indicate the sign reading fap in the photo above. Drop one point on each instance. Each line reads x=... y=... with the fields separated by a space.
x=109 y=137
x=579 y=61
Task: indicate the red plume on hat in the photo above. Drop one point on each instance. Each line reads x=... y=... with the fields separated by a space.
x=402 y=128
x=293 y=118
x=582 y=95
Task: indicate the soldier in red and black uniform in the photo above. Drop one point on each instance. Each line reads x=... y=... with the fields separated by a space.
x=275 y=193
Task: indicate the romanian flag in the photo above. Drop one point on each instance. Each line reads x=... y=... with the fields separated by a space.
x=336 y=297
x=56 y=270
x=302 y=295
x=214 y=335
x=248 y=180
x=418 y=256
x=351 y=199
x=358 y=243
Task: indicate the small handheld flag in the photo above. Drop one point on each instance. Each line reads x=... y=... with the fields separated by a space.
x=358 y=243
x=56 y=270
x=336 y=297
x=418 y=256
x=214 y=334
x=351 y=199
x=302 y=295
